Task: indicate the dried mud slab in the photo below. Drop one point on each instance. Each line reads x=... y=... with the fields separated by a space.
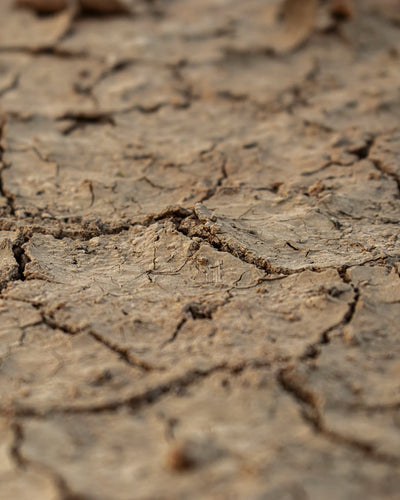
x=102 y=6
x=173 y=334
x=199 y=252
x=23 y=30
x=64 y=78
x=357 y=373
x=224 y=455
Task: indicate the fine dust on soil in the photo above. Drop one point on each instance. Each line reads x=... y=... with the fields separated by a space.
x=199 y=252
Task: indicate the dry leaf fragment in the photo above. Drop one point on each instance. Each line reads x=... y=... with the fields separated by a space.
x=299 y=18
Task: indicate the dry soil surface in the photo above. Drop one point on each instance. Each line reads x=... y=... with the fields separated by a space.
x=199 y=255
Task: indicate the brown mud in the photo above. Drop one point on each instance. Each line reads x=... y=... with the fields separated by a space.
x=199 y=253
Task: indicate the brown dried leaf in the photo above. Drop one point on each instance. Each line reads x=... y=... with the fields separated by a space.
x=299 y=21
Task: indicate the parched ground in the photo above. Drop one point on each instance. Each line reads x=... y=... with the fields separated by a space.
x=199 y=255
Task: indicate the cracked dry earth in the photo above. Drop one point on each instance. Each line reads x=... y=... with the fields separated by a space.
x=199 y=256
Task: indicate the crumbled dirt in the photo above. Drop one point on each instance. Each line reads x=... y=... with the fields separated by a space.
x=199 y=251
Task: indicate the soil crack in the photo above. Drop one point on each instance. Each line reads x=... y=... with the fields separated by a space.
x=146 y=398
x=23 y=463
x=11 y=86
x=312 y=351
x=124 y=353
x=291 y=382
